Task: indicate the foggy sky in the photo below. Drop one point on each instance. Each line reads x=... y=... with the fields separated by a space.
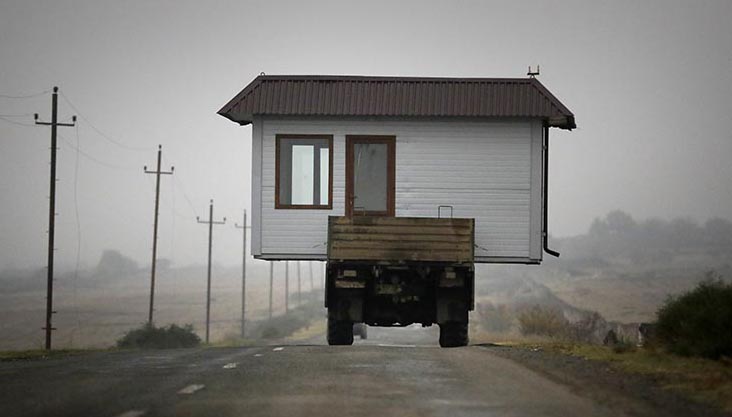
x=650 y=84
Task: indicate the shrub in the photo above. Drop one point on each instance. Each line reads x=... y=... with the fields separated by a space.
x=591 y=328
x=495 y=318
x=543 y=321
x=699 y=322
x=149 y=336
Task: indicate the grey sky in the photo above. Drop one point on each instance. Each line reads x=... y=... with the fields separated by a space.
x=650 y=83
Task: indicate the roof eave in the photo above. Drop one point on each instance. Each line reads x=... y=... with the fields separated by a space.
x=241 y=121
x=562 y=122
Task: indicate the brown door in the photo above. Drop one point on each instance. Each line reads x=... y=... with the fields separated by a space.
x=370 y=175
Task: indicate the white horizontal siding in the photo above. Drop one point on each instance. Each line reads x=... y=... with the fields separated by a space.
x=482 y=169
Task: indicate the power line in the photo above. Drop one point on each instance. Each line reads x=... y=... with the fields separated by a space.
x=102 y=134
x=5 y=119
x=20 y=115
x=185 y=195
x=93 y=159
x=25 y=96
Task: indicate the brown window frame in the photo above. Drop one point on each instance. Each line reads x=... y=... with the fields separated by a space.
x=328 y=206
x=390 y=141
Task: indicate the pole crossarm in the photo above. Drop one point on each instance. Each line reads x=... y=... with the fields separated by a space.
x=54 y=123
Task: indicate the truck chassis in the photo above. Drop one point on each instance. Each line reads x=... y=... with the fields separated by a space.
x=399 y=294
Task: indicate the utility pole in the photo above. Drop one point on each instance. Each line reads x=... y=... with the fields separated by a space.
x=52 y=210
x=310 y=269
x=287 y=287
x=244 y=228
x=299 y=285
x=157 y=173
x=210 y=223
x=271 y=279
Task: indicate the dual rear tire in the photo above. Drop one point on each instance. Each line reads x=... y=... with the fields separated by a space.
x=340 y=332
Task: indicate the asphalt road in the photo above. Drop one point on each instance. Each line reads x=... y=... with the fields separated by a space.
x=396 y=372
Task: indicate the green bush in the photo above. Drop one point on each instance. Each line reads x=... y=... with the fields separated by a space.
x=149 y=336
x=699 y=322
x=543 y=321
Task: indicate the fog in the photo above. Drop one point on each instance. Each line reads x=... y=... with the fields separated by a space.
x=649 y=82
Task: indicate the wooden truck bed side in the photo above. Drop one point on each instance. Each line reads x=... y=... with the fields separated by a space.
x=401 y=239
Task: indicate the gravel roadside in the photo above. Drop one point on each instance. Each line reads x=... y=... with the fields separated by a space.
x=631 y=394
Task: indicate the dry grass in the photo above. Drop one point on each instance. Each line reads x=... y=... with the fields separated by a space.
x=703 y=380
x=97 y=317
x=316 y=328
x=33 y=354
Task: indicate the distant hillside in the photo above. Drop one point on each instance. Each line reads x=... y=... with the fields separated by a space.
x=622 y=268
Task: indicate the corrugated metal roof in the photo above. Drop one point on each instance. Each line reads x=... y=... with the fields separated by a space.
x=321 y=95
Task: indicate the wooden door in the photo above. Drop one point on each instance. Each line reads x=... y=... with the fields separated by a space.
x=370 y=175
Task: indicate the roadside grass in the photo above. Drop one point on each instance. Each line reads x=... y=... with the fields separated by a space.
x=703 y=380
x=316 y=328
x=35 y=354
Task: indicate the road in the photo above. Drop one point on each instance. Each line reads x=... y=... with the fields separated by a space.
x=396 y=372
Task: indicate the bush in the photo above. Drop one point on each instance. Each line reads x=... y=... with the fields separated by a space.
x=699 y=322
x=543 y=321
x=149 y=336
x=495 y=318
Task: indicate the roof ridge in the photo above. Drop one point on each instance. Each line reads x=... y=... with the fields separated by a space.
x=295 y=77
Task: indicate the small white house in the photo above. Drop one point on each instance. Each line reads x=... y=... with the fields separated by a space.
x=395 y=146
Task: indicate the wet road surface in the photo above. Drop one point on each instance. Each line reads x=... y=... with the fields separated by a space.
x=395 y=372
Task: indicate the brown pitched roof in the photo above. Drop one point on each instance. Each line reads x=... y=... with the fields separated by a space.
x=326 y=95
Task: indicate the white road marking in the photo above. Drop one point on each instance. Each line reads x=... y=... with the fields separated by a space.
x=191 y=389
x=256 y=355
x=278 y=349
x=230 y=365
x=133 y=413
x=391 y=345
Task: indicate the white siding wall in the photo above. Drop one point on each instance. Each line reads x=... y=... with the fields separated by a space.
x=483 y=169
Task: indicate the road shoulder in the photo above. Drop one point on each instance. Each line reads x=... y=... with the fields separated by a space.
x=632 y=394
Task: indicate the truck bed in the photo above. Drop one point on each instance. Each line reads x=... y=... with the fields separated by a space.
x=401 y=239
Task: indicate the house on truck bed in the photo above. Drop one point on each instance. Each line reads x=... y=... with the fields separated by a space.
x=401 y=184
x=472 y=144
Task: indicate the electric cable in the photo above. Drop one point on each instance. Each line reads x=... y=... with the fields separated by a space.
x=102 y=134
x=9 y=96
x=88 y=156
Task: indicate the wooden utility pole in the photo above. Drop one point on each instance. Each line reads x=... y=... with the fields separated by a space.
x=271 y=279
x=310 y=269
x=244 y=228
x=299 y=285
x=52 y=211
x=210 y=223
x=157 y=173
x=287 y=287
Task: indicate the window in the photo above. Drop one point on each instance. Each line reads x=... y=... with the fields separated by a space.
x=303 y=167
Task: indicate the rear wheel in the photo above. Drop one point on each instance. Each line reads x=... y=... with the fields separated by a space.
x=453 y=334
x=339 y=332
